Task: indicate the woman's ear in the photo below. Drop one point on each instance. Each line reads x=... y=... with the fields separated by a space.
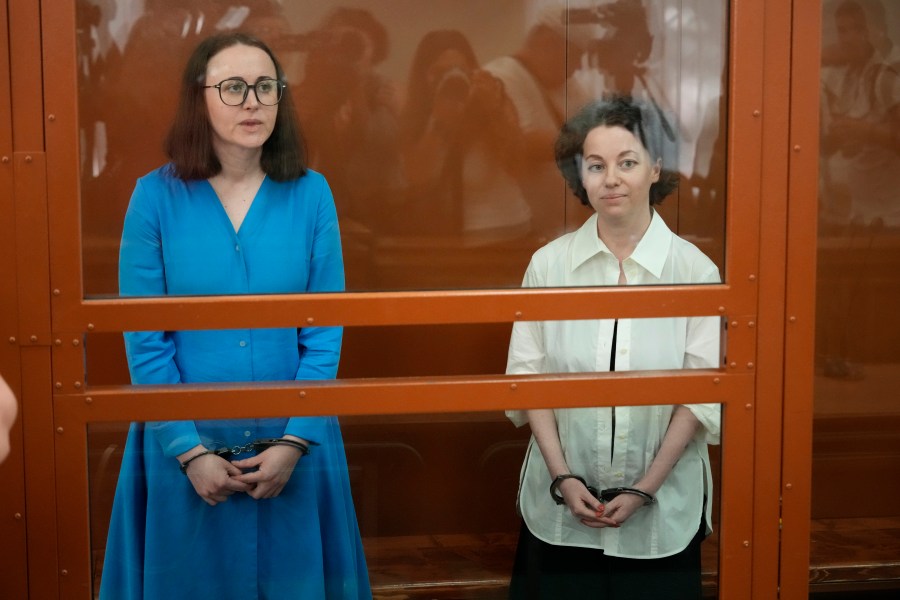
x=656 y=170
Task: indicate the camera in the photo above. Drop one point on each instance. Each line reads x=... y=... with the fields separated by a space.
x=453 y=85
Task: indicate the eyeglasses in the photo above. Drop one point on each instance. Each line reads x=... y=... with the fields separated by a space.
x=233 y=92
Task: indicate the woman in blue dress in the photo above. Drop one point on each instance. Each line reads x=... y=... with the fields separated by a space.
x=236 y=211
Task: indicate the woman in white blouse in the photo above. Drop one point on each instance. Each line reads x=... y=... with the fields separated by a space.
x=616 y=500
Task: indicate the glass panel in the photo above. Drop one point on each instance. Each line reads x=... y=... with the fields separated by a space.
x=857 y=416
x=435 y=133
x=434 y=496
x=441 y=350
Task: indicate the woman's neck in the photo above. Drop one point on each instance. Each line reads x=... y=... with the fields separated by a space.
x=622 y=237
x=239 y=165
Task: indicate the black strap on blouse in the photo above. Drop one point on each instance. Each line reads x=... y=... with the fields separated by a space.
x=612 y=367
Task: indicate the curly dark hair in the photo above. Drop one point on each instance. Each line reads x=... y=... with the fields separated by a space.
x=189 y=143
x=642 y=118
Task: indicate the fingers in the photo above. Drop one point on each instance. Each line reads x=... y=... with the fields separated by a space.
x=247 y=463
x=251 y=478
x=236 y=484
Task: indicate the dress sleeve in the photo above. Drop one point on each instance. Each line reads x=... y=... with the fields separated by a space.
x=526 y=347
x=702 y=351
x=151 y=354
x=320 y=347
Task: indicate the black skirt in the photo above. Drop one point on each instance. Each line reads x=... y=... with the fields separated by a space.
x=545 y=571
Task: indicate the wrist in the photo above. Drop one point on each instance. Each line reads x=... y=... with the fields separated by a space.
x=193 y=456
x=558 y=481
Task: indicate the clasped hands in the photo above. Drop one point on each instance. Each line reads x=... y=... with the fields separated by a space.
x=593 y=513
x=261 y=476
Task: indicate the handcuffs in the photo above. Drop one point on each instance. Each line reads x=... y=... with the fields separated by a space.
x=601 y=495
x=255 y=446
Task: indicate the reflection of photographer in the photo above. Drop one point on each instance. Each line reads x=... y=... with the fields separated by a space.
x=463 y=97
x=624 y=49
x=459 y=132
x=349 y=110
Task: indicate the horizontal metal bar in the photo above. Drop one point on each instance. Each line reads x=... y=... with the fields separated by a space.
x=398 y=308
x=391 y=396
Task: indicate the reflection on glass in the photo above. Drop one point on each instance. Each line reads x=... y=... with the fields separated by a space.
x=857 y=417
x=438 y=151
x=428 y=517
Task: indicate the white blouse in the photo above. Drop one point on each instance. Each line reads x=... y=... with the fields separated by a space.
x=582 y=259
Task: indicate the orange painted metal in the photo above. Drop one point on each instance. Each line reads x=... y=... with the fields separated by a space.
x=32 y=243
x=800 y=300
x=770 y=356
x=13 y=550
x=391 y=308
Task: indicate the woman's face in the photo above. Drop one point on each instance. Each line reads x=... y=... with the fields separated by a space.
x=246 y=127
x=617 y=173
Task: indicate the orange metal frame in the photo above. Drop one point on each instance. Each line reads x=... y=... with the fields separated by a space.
x=772 y=146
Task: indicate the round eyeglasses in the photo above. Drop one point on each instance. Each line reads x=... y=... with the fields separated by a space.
x=233 y=92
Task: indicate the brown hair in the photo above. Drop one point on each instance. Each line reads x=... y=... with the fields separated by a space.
x=642 y=118
x=189 y=143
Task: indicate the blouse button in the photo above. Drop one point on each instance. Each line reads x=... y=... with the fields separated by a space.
x=242 y=343
x=246 y=434
x=237 y=248
x=620 y=474
x=623 y=351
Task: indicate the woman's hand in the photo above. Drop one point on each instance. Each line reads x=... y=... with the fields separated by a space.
x=583 y=505
x=213 y=478
x=620 y=508
x=274 y=468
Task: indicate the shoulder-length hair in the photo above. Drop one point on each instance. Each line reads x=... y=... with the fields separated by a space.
x=189 y=143
x=420 y=96
x=642 y=118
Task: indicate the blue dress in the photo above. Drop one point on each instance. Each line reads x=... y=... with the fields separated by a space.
x=164 y=540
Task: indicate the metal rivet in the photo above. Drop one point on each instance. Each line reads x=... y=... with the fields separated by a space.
x=57 y=342
x=748 y=406
x=310 y=320
x=64 y=572
x=757 y=113
x=51 y=117
x=77 y=385
x=751 y=324
x=56 y=292
x=5 y=159
x=28 y=158
x=789 y=486
x=12 y=340
x=752 y=277
x=733 y=365
x=59 y=430
x=717 y=381
x=88 y=400
x=303 y=394
x=513 y=387
x=793 y=319
x=90 y=326
x=796 y=147
x=518 y=314
x=58 y=385
x=75 y=342
x=746 y=543
x=721 y=309
x=33 y=339
x=734 y=323
x=17 y=516
x=749 y=365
